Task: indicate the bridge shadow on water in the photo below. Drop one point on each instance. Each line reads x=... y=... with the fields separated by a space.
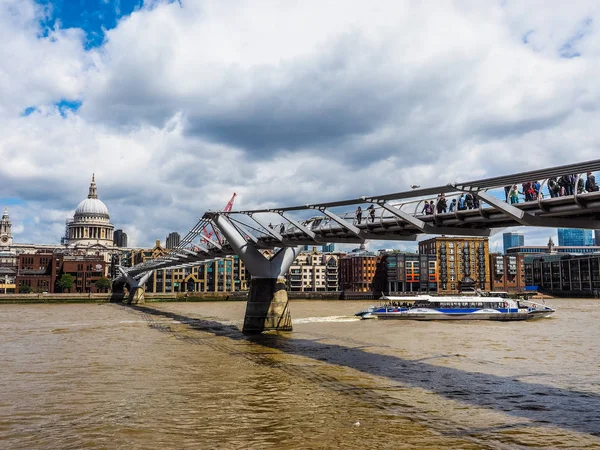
x=543 y=404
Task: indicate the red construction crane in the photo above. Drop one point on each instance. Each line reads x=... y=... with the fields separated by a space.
x=226 y=209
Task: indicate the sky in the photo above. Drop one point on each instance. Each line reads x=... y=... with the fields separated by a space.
x=175 y=105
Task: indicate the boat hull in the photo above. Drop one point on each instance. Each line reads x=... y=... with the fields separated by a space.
x=500 y=317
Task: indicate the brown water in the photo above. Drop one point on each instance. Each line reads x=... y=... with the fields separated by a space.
x=181 y=375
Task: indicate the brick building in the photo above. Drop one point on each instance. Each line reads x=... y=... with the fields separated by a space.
x=357 y=271
x=85 y=270
x=36 y=272
x=463 y=263
x=507 y=272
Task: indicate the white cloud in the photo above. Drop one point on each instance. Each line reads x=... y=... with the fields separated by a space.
x=287 y=103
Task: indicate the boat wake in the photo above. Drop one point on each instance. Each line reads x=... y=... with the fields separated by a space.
x=325 y=319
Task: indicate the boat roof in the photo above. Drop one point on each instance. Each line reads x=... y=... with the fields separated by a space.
x=469 y=298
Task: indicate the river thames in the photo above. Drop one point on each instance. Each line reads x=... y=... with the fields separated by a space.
x=182 y=375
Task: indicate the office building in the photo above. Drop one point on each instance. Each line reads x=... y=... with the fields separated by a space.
x=405 y=272
x=550 y=248
x=120 y=238
x=571 y=237
x=513 y=239
x=172 y=241
x=328 y=248
x=596 y=237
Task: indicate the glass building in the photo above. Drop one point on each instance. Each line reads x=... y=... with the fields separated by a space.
x=575 y=237
x=513 y=239
x=328 y=248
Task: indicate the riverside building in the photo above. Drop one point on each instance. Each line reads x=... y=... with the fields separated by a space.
x=406 y=272
x=357 y=271
x=462 y=263
x=314 y=272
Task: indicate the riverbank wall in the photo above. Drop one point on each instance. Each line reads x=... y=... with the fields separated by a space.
x=150 y=297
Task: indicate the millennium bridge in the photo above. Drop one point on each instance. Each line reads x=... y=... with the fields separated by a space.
x=397 y=216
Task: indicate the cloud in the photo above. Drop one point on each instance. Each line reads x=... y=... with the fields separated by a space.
x=180 y=104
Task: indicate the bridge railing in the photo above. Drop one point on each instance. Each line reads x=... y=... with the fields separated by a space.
x=415 y=207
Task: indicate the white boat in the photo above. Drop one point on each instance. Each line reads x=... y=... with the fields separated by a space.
x=483 y=306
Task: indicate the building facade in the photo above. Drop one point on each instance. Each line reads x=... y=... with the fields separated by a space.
x=564 y=275
x=462 y=262
x=120 y=238
x=172 y=240
x=328 y=248
x=357 y=271
x=36 y=272
x=573 y=237
x=314 y=272
x=406 y=272
x=512 y=239
x=85 y=270
x=507 y=272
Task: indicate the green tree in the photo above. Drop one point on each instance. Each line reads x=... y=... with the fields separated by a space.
x=102 y=284
x=24 y=289
x=66 y=281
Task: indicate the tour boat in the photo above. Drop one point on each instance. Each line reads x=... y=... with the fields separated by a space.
x=483 y=306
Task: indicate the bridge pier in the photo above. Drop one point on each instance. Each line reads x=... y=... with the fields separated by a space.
x=136 y=295
x=136 y=285
x=267 y=308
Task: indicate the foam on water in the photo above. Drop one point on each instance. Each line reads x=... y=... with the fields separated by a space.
x=326 y=319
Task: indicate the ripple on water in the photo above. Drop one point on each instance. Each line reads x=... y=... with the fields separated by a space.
x=135 y=378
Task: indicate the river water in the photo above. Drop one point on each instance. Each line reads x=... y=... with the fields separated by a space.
x=181 y=375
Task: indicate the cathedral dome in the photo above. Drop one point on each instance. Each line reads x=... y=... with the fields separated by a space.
x=92 y=207
x=91 y=224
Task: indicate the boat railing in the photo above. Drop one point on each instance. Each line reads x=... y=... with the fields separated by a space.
x=534 y=305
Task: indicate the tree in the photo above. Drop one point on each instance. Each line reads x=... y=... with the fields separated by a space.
x=24 y=289
x=66 y=281
x=102 y=284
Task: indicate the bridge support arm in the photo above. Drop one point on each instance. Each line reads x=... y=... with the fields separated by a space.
x=136 y=285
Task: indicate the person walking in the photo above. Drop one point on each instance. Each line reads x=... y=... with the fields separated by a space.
x=426 y=208
x=372 y=213
x=442 y=205
x=514 y=195
x=452 y=207
x=590 y=183
x=358 y=215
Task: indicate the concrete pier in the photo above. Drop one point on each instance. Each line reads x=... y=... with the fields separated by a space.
x=267 y=308
x=136 y=296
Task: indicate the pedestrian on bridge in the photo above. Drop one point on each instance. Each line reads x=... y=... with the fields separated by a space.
x=442 y=204
x=372 y=213
x=358 y=215
x=590 y=183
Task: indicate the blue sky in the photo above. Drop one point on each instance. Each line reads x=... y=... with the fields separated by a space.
x=91 y=16
x=175 y=105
